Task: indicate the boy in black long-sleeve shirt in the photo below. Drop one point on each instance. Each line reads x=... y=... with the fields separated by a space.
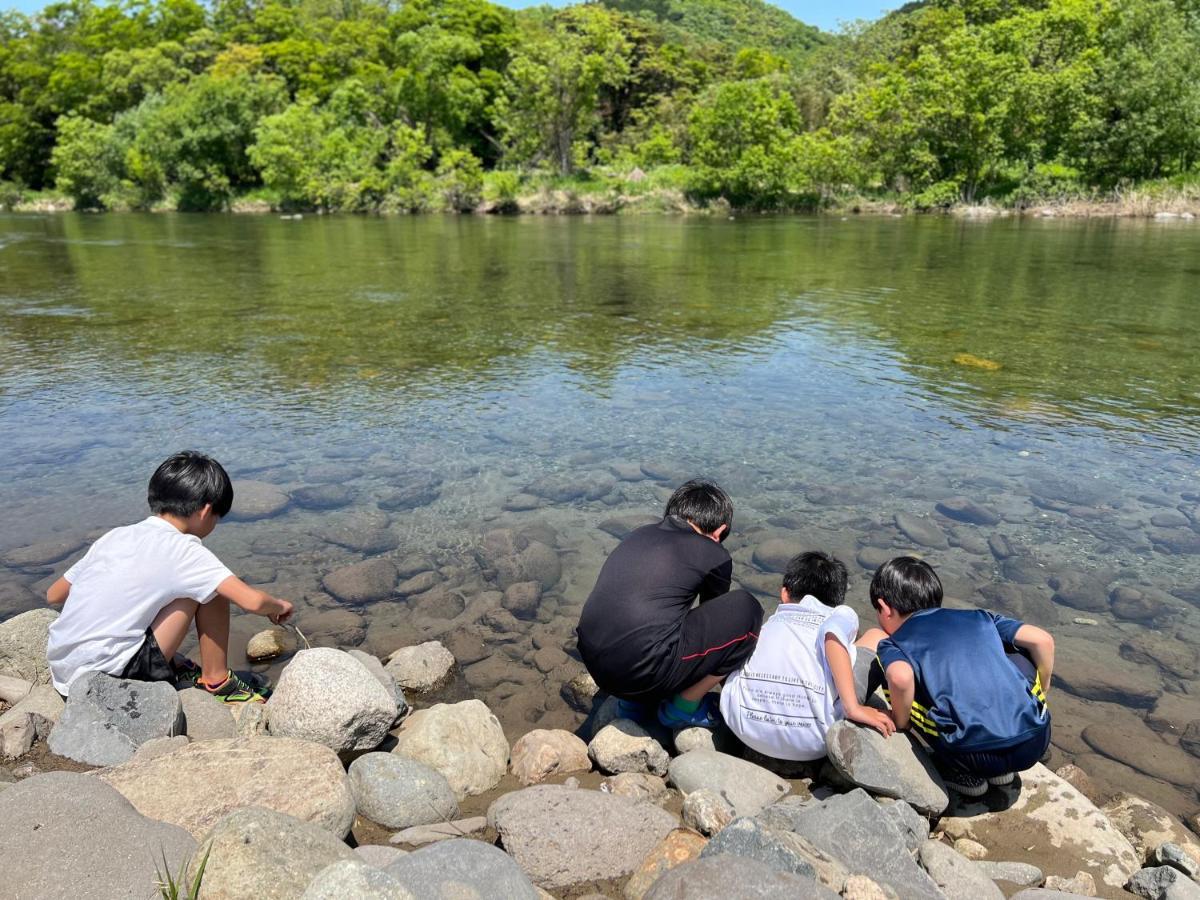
x=639 y=636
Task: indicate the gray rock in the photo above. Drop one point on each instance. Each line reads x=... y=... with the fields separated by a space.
x=522 y=599
x=911 y=824
x=463 y=741
x=420 y=835
x=259 y=854
x=1017 y=873
x=707 y=812
x=773 y=555
x=398 y=792
x=748 y=788
x=355 y=879
x=724 y=877
x=1176 y=541
x=106 y=719
x=780 y=850
x=322 y=496
x=564 y=836
x=43 y=553
x=23 y=645
x=157 y=747
x=196 y=785
x=1163 y=883
x=1083 y=592
x=364 y=582
x=65 y=836
x=922 y=531
x=29 y=720
x=963 y=509
x=462 y=870
x=1043 y=894
x=890 y=767
x=956 y=875
x=624 y=746
x=850 y=829
x=1171 y=854
x=410 y=491
x=269 y=644
x=328 y=696
x=425 y=667
x=621 y=527
x=366 y=539
x=1000 y=546
x=253 y=500
x=205 y=717
x=385 y=678
x=378 y=855
x=580 y=691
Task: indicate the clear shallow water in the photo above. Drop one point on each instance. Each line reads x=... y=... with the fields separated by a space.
x=807 y=364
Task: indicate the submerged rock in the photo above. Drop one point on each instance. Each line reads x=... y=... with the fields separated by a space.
x=364 y=582
x=43 y=553
x=963 y=509
x=1094 y=671
x=922 y=531
x=253 y=500
x=323 y=496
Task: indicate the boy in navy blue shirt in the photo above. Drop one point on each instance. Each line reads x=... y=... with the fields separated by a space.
x=972 y=683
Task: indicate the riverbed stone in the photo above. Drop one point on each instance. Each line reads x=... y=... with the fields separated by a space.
x=921 y=531
x=1175 y=541
x=964 y=509
x=637 y=786
x=327 y=696
x=1171 y=854
x=463 y=741
x=23 y=645
x=30 y=719
x=722 y=877
x=419 y=835
x=14 y=690
x=196 y=785
x=106 y=719
x=1094 y=671
x=1088 y=593
x=206 y=718
x=375 y=666
x=956 y=875
x=410 y=491
x=1043 y=809
x=522 y=599
x=66 y=835
x=746 y=787
x=1163 y=883
x=269 y=644
x=889 y=767
x=43 y=553
x=260 y=854
x=460 y=869
x=398 y=792
x=580 y=692
x=1135 y=605
x=621 y=527
x=1147 y=825
x=773 y=555
x=562 y=836
x=322 y=496
x=707 y=811
x=1132 y=742
x=1173 y=656
x=364 y=582
x=254 y=500
x=421 y=668
x=541 y=753
x=342 y=627
x=355 y=879
x=780 y=849
x=680 y=846
x=625 y=746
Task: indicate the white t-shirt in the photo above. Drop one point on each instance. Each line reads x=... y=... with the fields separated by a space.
x=783 y=700
x=118 y=588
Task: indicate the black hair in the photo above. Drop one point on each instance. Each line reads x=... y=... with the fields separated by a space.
x=185 y=482
x=819 y=574
x=906 y=584
x=703 y=504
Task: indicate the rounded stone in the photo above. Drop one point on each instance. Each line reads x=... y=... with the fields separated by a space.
x=269 y=644
x=398 y=792
x=543 y=752
x=364 y=582
x=625 y=746
x=463 y=741
x=425 y=667
x=253 y=500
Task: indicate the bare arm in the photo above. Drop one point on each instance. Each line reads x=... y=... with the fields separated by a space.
x=58 y=592
x=842 y=671
x=903 y=687
x=252 y=600
x=1039 y=643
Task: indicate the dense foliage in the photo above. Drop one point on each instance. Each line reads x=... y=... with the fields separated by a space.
x=416 y=104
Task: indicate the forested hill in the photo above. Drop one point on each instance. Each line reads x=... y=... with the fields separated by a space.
x=419 y=104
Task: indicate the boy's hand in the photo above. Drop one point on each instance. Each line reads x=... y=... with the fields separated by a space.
x=873 y=718
x=281 y=617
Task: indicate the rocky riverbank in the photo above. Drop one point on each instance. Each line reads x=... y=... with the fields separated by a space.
x=350 y=783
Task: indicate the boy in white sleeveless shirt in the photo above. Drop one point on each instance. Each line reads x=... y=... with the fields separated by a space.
x=801 y=677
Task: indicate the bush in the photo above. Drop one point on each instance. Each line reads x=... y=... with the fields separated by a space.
x=939 y=195
x=85 y=162
x=501 y=190
x=460 y=180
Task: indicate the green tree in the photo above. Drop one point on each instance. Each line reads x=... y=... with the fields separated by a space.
x=84 y=161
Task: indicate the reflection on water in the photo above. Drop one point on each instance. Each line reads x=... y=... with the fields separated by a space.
x=447 y=393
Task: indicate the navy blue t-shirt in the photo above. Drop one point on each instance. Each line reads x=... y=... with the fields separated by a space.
x=969 y=694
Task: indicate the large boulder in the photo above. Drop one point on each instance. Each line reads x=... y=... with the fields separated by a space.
x=780 y=849
x=328 y=696
x=355 y=879
x=463 y=741
x=1095 y=671
x=1147 y=826
x=460 y=869
x=541 y=753
x=196 y=785
x=562 y=836
x=424 y=667
x=363 y=582
x=851 y=829
x=23 y=645
x=722 y=877
x=66 y=836
x=889 y=767
x=253 y=500
x=625 y=746
x=30 y=719
x=259 y=854
x=1044 y=810
x=384 y=677
x=398 y=792
x=747 y=788
x=106 y=719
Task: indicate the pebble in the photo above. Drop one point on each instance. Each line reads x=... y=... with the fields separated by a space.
x=972 y=850
x=419 y=835
x=707 y=812
x=269 y=644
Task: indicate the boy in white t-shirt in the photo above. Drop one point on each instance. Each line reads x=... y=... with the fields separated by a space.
x=131 y=600
x=801 y=677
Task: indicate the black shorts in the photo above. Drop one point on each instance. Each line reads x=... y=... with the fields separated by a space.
x=716 y=638
x=149 y=664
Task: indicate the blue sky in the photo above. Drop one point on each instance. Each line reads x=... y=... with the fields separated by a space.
x=823 y=13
